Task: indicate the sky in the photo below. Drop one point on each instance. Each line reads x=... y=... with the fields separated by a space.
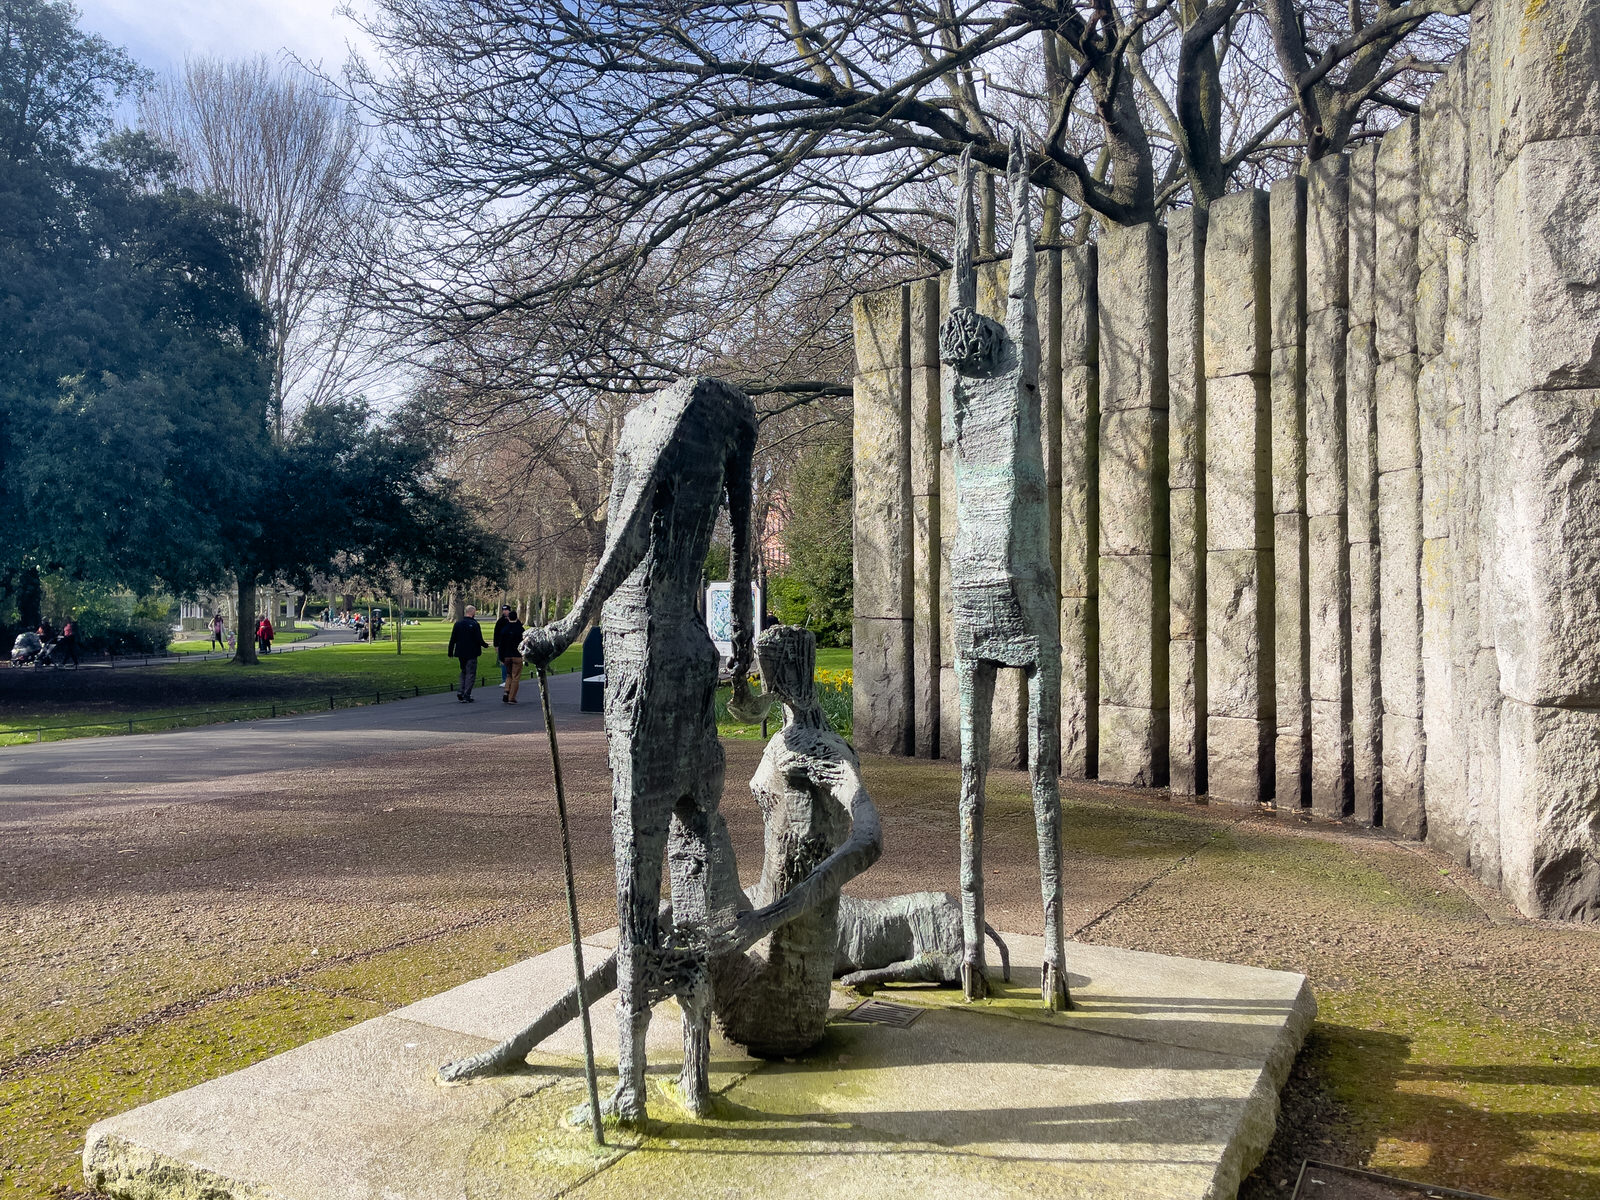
x=161 y=33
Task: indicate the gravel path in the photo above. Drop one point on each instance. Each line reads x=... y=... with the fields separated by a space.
x=154 y=934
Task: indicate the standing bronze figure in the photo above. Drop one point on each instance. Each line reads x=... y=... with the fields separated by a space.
x=684 y=453
x=1001 y=579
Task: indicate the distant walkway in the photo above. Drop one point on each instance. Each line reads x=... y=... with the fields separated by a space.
x=246 y=747
x=127 y=662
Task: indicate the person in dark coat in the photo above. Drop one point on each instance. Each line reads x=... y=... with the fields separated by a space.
x=67 y=647
x=467 y=645
x=508 y=633
x=499 y=625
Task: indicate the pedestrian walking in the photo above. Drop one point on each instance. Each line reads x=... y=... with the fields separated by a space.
x=508 y=633
x=264 y=635
x=216 y=632
x=67 y=647
x=467 y=644
x=505 y=612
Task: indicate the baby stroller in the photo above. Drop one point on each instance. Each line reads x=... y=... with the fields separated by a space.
x=29 y=651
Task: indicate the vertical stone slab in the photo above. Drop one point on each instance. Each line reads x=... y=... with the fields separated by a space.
x=1328 y=560
x=1399 y=481
x=882 y=636
x=1481 y=667
x=1540 y=377
x=1133 y=567
x=923 y=334
x=1080 y=514
x=1240 y=606
x=1361 y=493
x=1186 y=240
x=1446 y=453
x=1292 y=747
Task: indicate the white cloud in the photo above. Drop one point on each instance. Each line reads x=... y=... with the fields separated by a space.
x=161 y=33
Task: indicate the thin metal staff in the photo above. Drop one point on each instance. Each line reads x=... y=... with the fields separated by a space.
x=572 y=913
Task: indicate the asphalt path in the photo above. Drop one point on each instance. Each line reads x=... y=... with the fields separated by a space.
x=248 y=747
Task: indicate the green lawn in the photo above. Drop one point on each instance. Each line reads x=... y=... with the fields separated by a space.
x=68 y=704
x=205 y=646
x=166 y=697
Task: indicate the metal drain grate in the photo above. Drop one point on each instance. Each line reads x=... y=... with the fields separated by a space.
x=1324 y=1181
x=881 y=1012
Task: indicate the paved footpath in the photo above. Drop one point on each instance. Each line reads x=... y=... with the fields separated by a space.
x=246 y=747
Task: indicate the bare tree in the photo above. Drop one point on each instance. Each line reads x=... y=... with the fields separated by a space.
x=275 y=142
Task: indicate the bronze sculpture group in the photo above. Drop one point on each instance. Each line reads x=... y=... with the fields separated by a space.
x=763 y=963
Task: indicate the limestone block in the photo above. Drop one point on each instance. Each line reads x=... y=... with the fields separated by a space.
x=1441 y=144
x=1542 y=272
x=949 y=715
x=924 y=399
x=1547 y=547
x=1328 y=578
x=1286 y=219
x=1395 y=295
x=1187 y=717
x=1080 y=687
x=883 y=578
x=1238 y=463
x=1008 y=739
x=925 y=622
x=1332 y=793
x=1239 y=766
x=1186 y=241
x=1133 y=745
x=1360 y=434
x=947 y=542
x=1133 y=481
x=1080 y=320
x=1188 y=571
x=1239 y=634
x=1325 y=412
x=1546 y=74
x=1133 y=647
x=1439 y=444
x=1366 y=696
x=1404 y=751
x=1291 y=666
x=1327 y=235
x=1395 y=411
x=1363 y=249
x=1400 y=610
x=1132 y=306
x=881 y=330
x=1080 y=481
x=1047 y=302
x=1483 y=765
x=1237 y=286
x=1291 y=789
x=1549 y=808
x=881 y=660
x=1288 y=429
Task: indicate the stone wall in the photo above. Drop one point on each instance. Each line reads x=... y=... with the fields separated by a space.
x=1325 y=467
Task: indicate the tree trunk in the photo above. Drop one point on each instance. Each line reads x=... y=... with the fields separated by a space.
x=30 y=599
x=458 y=604
x=245 y=651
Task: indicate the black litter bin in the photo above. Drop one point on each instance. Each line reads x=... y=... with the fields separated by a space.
x=593 y=693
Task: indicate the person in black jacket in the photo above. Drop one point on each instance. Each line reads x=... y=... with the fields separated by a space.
x=508 y=633
x=499 y=626
x=466 y=644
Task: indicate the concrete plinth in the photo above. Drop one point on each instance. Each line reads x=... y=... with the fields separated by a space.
x=1162 y=1082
